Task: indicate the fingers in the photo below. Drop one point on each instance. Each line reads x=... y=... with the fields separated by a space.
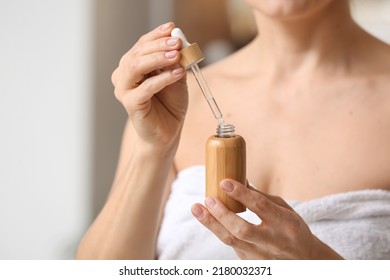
x=161 y=44
x=275 y=199
x=137 y=69
x=163 y=30
x=133 y=69
x=151 y=86
x=214 y=225
x=154 y=50
x=151 y=65
x=269 y=208
x=239 y=227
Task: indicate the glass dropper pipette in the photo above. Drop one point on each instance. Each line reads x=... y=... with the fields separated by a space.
x=198 y=74
x=207 y=93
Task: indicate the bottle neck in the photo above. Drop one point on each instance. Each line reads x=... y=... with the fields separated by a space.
x=225 y=130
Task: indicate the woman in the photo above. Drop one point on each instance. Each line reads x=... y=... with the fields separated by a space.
x=311 y=97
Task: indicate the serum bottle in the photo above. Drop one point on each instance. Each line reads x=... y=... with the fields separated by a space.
x=225 y=159
x=225 y=151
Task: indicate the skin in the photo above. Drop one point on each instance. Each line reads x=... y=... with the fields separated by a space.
x=310 y=95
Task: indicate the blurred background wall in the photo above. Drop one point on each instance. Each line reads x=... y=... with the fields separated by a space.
x=46 y=82
x=60 y=125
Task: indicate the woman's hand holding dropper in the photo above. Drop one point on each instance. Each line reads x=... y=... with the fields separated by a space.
x=151 y=85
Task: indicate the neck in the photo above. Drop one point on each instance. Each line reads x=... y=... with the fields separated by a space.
x=301 y=45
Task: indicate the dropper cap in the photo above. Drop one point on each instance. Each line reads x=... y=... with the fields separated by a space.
x=190 y=53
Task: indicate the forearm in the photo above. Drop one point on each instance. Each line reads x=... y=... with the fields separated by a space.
x=128 y=224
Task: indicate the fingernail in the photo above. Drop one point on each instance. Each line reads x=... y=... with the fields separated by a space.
x=172 y=41
x=165 y=26
x=171 y=54
x=197 y=211
x=178 y=71
x=210 y=202
x=227 y=186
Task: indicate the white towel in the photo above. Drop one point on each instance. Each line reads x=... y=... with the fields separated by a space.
x=355 y=224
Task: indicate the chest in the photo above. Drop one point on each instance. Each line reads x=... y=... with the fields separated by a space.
x=320 y=154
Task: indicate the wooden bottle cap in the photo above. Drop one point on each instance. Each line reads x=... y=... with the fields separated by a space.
x=191 y=55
